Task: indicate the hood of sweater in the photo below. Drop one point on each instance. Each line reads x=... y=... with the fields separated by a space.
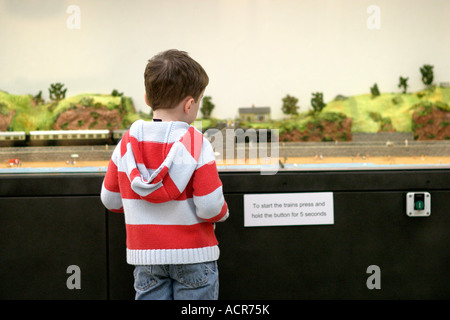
x=159 y=158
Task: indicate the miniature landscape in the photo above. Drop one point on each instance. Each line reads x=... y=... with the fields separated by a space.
x=424 y=115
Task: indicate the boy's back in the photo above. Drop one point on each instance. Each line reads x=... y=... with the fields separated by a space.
x=164 y=177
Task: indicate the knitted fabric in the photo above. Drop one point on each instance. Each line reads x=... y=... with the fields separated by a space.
x=163 y=176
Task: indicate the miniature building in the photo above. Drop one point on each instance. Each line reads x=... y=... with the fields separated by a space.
x=254 y=114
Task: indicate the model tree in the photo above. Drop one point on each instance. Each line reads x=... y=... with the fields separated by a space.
x=317 y=102
x=56 y=91
x=207 y=107
x=374 y=91
x=403 y=83
x=38 y=100
x=289 y=106
x=427 y=74
x=116 y=93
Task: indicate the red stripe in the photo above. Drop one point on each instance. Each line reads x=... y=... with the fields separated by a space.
x=111 y=181
x=192 y=141
x=150 y=236
x=206 y=179
x=150 y=153
x=187 y=192
x=125 y=187
x=134 y=174
x=135 y=146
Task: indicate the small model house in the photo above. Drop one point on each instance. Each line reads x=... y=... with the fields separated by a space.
x=254 y=114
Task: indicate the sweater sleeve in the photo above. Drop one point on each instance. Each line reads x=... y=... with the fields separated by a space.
x=207 y=188
x=110 y=193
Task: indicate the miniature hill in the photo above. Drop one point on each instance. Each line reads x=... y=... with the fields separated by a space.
x=84 y=111
x=431 y=121
x=388 y=111
x=399 y=112
x=323 y=126
x=426 y=113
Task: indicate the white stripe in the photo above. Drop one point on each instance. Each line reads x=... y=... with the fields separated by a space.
x=145 y=173
x=127 y=162
x=207 y=154
x=182 y=167
x=209 y=205
x=115 y=157
x=181 y=212
x=162 y=132
x=111 y=200
x=172 y=256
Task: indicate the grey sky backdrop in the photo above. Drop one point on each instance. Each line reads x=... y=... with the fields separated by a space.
x=255 y=51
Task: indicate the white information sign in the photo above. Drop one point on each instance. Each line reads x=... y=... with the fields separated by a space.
x=284 y=209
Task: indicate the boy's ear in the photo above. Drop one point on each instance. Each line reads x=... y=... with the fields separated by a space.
x=146 y=100
x=188 y=103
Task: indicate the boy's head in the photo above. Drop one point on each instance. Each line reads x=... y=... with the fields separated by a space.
x=170 y=77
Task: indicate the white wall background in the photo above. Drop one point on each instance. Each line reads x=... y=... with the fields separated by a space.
x=255 y=51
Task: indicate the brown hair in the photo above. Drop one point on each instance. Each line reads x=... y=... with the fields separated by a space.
x=171 y=76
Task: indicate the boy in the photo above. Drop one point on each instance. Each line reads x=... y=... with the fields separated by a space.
x=163 y=176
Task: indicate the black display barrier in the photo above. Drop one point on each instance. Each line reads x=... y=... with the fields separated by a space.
x=58 y=242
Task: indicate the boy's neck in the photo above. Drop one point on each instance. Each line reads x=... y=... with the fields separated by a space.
x=166 y=115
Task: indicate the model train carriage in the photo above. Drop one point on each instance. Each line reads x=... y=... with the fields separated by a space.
x=117 y=135
x=12 y=138
x=60 y=137
x=69 y=137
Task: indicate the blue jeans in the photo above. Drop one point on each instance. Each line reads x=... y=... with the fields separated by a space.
x=198 y=281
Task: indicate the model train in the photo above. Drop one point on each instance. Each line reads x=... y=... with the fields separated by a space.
x=60 y=137
x=110 y=137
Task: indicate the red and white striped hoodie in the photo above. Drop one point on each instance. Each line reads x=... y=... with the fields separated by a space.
x=163 y=176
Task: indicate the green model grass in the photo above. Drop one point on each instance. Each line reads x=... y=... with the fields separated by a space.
x=27 y=116
x=370 y=113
